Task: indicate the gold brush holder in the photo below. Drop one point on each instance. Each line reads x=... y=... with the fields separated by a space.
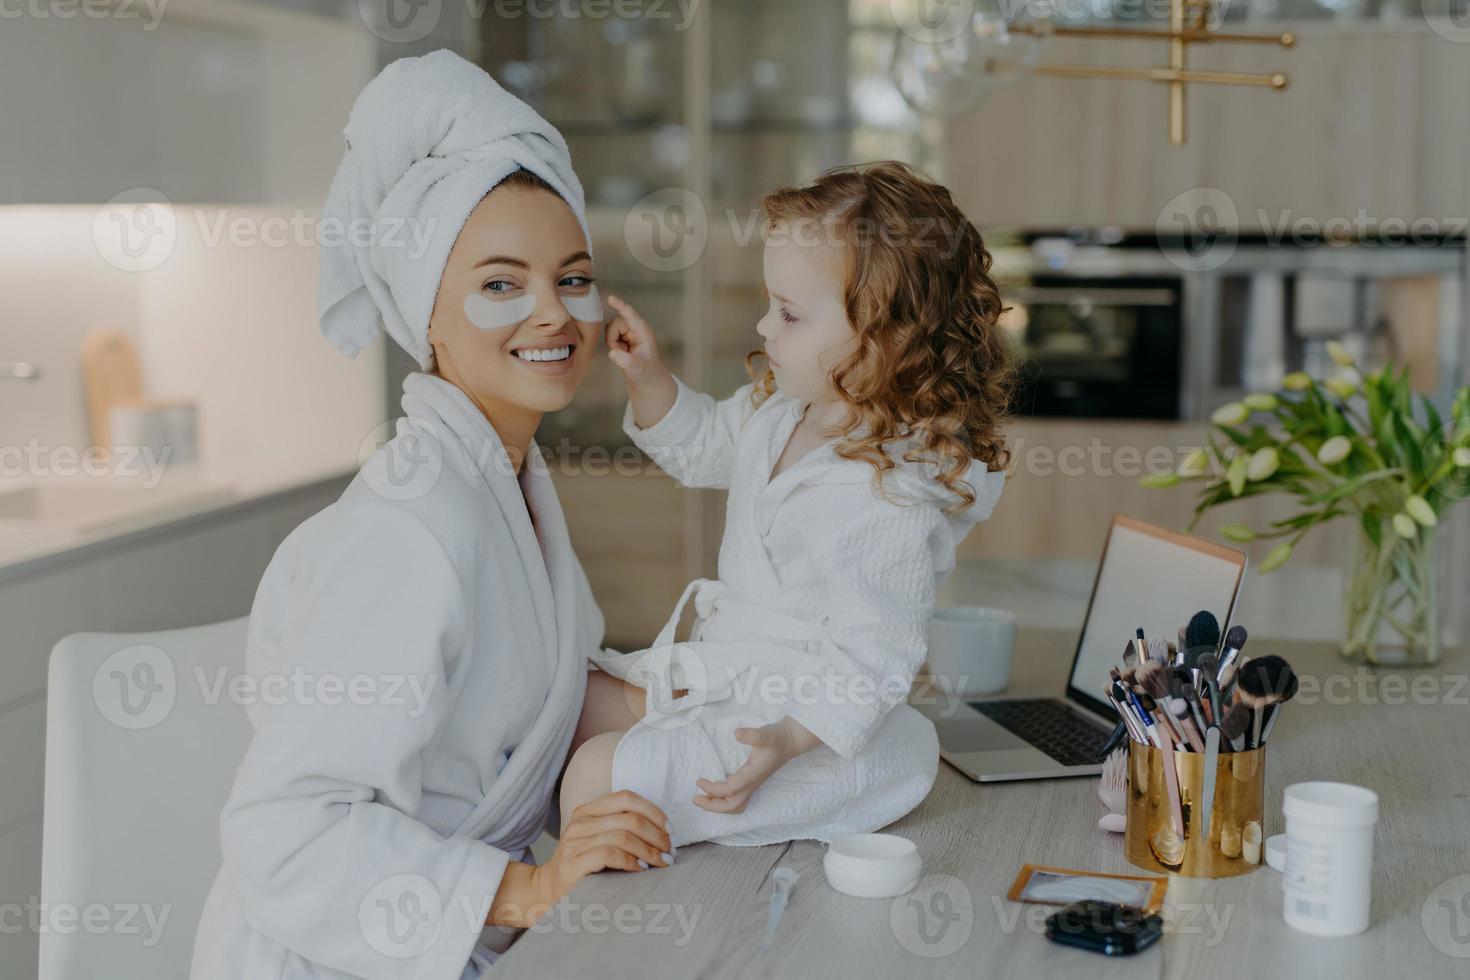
x=1152 y=843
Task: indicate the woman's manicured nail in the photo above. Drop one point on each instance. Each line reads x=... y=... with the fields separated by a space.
x=668 y=858
x=643 y=864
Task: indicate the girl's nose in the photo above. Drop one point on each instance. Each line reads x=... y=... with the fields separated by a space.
x=765 y=327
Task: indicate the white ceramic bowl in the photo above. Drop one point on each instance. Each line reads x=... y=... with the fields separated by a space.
x=872 y=865
x=970 y=650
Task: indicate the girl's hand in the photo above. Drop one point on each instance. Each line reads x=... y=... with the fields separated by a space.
x=632 y=346
x=771 y=747
x=622 y=831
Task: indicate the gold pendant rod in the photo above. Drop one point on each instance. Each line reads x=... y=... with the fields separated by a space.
x=1187 y=20
x=1118 y=73
x=1176 y=64
x=1190 y=35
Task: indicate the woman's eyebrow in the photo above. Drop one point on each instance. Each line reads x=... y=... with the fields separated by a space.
x=502 y=260
x=786 y=300
x=582 y=256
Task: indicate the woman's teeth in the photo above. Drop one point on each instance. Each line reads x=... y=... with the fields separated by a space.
x=544 y=353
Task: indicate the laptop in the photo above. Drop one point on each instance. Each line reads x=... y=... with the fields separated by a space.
x=1149 y=576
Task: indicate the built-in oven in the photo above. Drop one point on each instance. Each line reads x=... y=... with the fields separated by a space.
x=1114 y=326
x=1098 y=346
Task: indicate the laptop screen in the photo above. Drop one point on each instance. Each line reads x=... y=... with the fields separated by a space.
x=1150 y=577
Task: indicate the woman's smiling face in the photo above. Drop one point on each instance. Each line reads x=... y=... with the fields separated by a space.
x=501 y=329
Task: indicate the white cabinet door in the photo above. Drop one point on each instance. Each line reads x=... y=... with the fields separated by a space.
x=211 y=102
x=98 y=107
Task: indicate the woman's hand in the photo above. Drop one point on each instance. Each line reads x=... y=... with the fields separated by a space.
x=621 y=831
x=632 y=347
x=771 y=747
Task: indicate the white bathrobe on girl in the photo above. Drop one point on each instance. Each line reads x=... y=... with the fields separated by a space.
x=820 y=612
x=439 y=623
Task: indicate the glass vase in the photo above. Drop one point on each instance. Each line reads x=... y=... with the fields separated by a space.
x=1391 y=603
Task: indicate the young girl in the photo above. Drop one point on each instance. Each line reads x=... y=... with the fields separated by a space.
x=855 y=463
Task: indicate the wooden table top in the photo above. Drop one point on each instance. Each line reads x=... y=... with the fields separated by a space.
x=1405 y=733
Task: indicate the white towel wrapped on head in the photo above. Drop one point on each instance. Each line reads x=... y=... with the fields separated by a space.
x=426 y=141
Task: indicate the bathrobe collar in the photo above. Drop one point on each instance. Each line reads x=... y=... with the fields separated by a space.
x=820 y=466
x=910 y=480
x=544 y=551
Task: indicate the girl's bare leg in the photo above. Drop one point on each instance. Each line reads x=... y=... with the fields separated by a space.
x=610 y=706
x=588 y=775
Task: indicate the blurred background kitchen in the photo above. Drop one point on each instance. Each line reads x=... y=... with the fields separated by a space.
x=163 y=162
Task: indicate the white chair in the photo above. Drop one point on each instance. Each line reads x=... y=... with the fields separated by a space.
x=143 y=739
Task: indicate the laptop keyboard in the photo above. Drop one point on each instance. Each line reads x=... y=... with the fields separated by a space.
x=1050 y=726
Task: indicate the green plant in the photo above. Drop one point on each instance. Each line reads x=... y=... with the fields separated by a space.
x=1350 y=446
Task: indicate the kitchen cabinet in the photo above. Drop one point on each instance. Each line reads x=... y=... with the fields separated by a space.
x=208 y=101
x=1373 y=122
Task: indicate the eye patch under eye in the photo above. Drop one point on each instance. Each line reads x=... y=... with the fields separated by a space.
x=491 y=314
x=587 y=309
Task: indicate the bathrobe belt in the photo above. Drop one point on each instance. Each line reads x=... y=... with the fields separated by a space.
x=705 y=671
x=714 y=598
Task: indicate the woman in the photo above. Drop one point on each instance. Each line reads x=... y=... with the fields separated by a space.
x=429 y=630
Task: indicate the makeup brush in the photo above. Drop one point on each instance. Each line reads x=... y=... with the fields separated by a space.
x=1144 y=671
x=1180 y=711
x=1191 y=697
x=1119 y=733
x=1229 y=694
x=1262 y=682
x=1130 y=654
x=1162 y=723
x=1232 y=726
x=1158 y=650
x=1123 y=727
x=1208 y=668
x=1120 y=700
x=1203 y=630
x=1124 y=693
x=1189 y=661
x=1140 y=644
x=1229 y=653
x=1271 y=714
x=1267 y=676
x=1171 y=777
x=1190 y=656
x=1207 y=788
x=1157 y=685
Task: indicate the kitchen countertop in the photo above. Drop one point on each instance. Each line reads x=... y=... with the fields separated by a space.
x=704 y=916
x=189 y=493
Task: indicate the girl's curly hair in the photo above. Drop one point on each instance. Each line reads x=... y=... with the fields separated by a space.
x=931 y=363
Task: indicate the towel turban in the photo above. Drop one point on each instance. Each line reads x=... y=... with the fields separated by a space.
x=427 y=139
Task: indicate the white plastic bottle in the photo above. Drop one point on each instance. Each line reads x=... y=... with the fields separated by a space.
x=1328 y=881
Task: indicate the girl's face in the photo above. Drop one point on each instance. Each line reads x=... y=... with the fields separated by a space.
x=520 y=258
x=805 y=329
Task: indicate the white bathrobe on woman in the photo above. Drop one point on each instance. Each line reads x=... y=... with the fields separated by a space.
x=821 y=613
x=442 y=632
